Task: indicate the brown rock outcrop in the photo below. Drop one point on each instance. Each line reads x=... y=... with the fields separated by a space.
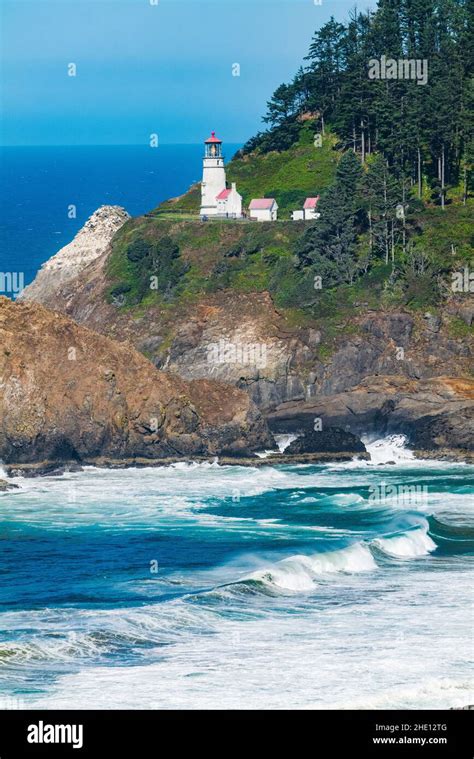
x=70 y=394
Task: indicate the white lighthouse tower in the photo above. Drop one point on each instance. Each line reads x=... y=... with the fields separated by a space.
x=216 y=199
x=213 y=175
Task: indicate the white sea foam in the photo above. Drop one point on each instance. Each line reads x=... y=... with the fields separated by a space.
x=283 y=441
x=392 y=454
x=333 y=654
x=302 y=573
x=431 y=693
x=389 y=449
x=347 y=626
x=152 y=496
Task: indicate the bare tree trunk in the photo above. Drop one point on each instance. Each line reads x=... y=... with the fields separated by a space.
x=362 y=138
x=420 y=181
x=371 y=238
x=404 y=226
x=385 y=217
x=322 y=124
x=443 y=158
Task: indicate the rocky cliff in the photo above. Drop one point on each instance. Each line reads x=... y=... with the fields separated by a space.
x=436 y=415
x=392 y=360
x=70 y=394
x=89 y=243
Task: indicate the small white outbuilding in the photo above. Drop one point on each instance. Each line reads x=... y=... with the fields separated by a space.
x=309 y=208
x=297 y=215
x=263 y=209
x=308 y=211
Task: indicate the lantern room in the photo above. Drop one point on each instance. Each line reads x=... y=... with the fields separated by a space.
x=213 y=147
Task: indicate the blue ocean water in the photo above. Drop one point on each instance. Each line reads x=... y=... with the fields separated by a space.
x=220 y=587
x=345 y=585
x=38 y=184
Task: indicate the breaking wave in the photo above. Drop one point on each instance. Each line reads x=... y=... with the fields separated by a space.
x=300 y=573
x=407 y=545
x=283 y=441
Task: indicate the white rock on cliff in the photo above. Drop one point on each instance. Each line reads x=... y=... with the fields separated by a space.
x=89 y=243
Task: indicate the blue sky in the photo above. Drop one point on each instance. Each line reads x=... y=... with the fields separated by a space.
x=143 y=68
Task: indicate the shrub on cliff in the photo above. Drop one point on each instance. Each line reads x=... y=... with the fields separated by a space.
x=154 y=266
x=138 y=250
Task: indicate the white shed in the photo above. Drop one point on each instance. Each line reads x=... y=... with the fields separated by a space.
x=297 y=215
x=263 y=209
x=309 y=208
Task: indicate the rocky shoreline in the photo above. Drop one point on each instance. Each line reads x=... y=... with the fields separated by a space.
x=71 y=397
x=58 y=468
x=436 y=415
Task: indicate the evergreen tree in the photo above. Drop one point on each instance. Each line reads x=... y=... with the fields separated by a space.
x=383 y=196
x=329 y=246
x=326 y=63
x=349 y=174
x=424 y=131
x=402 y=137
x=282 y=105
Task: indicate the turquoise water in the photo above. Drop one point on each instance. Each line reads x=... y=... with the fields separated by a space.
x=228 y=587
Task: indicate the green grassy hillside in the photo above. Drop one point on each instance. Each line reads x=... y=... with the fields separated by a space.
x=212 y=256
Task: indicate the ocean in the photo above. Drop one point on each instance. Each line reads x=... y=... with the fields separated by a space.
x=198 y=586
x=38 y=184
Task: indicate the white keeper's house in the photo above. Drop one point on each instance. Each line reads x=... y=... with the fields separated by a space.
x=263 y=209
x=216 y=198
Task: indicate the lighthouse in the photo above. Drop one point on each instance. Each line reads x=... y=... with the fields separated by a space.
x=216 y=199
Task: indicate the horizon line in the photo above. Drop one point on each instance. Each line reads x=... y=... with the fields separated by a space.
x=110 y=145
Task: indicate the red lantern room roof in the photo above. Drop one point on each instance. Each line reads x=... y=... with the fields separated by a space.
x=212 y=138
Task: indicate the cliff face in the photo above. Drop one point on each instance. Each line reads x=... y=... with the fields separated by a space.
x=89 y=243
x=437 y=415
x=69 y=394
x=383 y=358
x=283 y=362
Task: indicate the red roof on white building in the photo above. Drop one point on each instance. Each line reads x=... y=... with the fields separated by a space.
x=223 y=195
x=311 y=202
x=261 y=204
x=212 y=138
